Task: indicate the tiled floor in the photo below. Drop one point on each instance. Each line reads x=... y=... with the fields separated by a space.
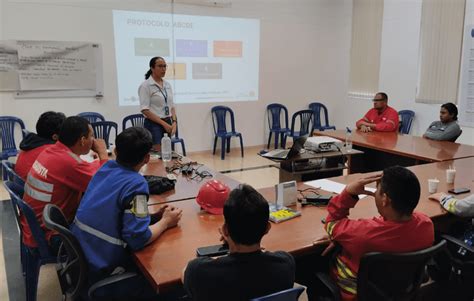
x=251 y=169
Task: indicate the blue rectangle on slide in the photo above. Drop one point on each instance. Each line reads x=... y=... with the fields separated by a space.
x=191 y=48
x=207 y=71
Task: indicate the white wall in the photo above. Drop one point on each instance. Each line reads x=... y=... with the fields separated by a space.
x=304 y=56
x=398 y=69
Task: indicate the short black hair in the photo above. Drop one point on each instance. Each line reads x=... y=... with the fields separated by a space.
x=246 y=215
x=49 y=123
x=73 y=129
x=402 y=187
x=384 y=95
x=132 y=145
x=452 y=109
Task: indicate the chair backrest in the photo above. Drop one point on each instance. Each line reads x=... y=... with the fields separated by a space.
x=102 y=130
x=274 y=116
x=291 y=294
x=387 y=276
x=13 y=189
x=316 y=107
x=92 y=116
x=33 y=224
x=7 y=132
x=10 y=175
x=134 y=119
x=305 y=117
x=219 y=119
x=72 y=265
x=406 y=118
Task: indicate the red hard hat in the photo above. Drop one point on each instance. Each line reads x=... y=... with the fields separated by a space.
x=212 y=196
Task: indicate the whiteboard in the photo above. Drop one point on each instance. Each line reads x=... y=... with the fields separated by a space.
x=34 y=69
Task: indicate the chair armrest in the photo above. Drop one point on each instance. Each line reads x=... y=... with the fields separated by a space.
x=108 y=281
x=332 y=288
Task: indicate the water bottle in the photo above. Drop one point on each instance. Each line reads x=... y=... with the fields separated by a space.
x=348 y=139
x=166 y=148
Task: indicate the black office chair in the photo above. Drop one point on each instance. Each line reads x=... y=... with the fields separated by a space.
x=72 y=268
x=305 y=119
x=291 y=294
x=92 y=116
x=406 y=119
x=387 y=276
x=102 y=130
x=319 y=108
x=134 y=120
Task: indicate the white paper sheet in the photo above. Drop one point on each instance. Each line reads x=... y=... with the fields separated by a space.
x=332 y=186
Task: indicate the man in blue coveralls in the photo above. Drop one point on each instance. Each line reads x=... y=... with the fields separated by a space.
x=113 y=219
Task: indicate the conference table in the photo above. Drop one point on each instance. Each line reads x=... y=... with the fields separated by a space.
x=163 y=261
x=383 y=149
x=186 y=187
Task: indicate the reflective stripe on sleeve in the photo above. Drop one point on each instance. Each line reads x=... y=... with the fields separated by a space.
x=99 y=234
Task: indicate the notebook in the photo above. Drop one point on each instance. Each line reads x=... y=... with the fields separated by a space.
x=284 y=154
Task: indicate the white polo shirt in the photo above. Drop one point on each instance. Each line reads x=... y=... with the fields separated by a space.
x=154 y=98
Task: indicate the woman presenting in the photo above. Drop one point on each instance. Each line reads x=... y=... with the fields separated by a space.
x=156 y=102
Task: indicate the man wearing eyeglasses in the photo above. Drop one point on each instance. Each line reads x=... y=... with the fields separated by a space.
x=381 y=118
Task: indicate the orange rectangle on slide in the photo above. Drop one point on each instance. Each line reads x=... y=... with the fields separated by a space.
x=227 y=48
x=176 y=71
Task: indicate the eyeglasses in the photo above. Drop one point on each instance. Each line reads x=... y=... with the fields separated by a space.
x=161 y=66
x=380 y=99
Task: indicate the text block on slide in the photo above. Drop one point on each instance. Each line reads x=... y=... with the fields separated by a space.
x=191 y=48
x=227 y=49
x=152 y=47
x=176 y=71
x=207 y=71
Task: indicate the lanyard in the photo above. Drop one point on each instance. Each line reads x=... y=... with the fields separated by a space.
x=165 y=94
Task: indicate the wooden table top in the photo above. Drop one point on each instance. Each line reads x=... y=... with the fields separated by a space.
x=163 y=261
x=185 y=187
x=406 y=145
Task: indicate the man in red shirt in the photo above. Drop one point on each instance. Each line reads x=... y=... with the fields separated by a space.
x=380 y=118
x=398 y=229
x=47 y=129
x=59 y=176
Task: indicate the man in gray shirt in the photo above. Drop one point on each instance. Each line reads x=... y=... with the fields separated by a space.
x=447 y=128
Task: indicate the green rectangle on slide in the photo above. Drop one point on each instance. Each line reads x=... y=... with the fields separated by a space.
x=152 y=47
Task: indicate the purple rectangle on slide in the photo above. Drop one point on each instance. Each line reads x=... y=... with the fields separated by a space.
x=207 y=71
x=191 y=48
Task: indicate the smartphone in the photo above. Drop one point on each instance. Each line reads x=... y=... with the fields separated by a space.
x=211 y=251
x=459 y=190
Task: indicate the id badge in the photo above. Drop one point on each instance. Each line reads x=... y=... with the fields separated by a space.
x=167 y=111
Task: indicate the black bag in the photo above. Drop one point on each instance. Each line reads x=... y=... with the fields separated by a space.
x=157 y=184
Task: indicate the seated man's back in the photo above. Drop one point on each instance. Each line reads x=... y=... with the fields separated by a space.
x=247 y=272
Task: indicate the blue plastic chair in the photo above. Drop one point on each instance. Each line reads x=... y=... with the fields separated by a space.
x=102 y=130
x=219 y=122
x=316 y=107
x=134 y=120
x=92 y=116
x=274 y=111
x=177 y=139
x=32 y=258
x=305 y=118
x=406 y=118
x=7 y=132
x=9 y=174
x=291 y=294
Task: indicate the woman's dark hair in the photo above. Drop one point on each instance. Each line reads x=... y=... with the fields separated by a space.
x=132 y=145
x=452 y=109
x=152 y=65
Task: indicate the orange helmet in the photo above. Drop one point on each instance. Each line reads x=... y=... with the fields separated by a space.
x=212 y=196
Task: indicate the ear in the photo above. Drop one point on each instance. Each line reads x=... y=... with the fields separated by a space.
x=55 y=137
x=269 y=226
x=225 y=231
x=115 y=152
x=386 y=201
x=146 y=159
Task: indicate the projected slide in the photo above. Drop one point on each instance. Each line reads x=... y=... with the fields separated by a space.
x=210 y=59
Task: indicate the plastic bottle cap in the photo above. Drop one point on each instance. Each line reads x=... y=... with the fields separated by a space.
x=166 y=134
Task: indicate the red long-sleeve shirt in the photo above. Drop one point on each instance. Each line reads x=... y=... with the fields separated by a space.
x=387 y=121
x=358 y=237
x=58 y=176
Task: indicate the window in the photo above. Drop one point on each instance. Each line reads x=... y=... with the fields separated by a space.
x=367 y=17
x=441 y=34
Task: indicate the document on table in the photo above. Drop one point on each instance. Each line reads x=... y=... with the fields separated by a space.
x=332 y=186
